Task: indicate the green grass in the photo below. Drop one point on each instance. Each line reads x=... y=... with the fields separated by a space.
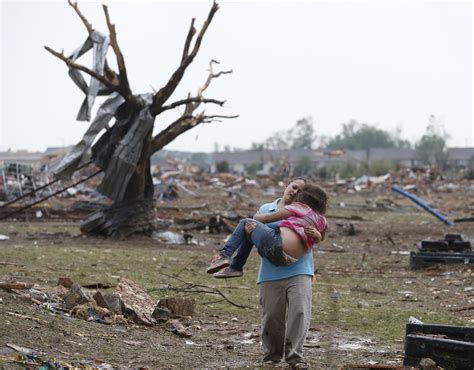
x=345 y=294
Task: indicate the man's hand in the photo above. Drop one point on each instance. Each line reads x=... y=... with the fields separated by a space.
x=313 y=233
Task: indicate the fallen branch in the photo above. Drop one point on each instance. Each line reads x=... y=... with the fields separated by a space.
x=26 y=317
x=14 y=285
x=185 y=267
x=198 y=288
x=11 y=264
x=465 y=308
x=180 y=208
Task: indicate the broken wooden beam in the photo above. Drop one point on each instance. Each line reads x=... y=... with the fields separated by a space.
x=14 y=285
x=138 y=306
x=178 y=306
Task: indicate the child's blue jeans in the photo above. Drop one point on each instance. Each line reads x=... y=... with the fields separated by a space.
x=266 y=240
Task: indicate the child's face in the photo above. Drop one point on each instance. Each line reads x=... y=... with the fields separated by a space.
x=292 y=190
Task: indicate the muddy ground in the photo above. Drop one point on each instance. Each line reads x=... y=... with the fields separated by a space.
x=364 y=290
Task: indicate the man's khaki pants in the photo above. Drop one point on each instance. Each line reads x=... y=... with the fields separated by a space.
x=286 y=307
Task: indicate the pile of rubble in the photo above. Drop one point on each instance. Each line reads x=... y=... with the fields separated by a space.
x=128 y=304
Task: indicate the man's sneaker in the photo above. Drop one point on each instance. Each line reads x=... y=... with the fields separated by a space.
x=218 y=262
x=228 y=272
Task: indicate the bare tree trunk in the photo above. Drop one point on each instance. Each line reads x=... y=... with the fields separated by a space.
x=122 y=219
x=135 y=214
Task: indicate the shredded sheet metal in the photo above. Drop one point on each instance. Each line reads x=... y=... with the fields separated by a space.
x=126 y=152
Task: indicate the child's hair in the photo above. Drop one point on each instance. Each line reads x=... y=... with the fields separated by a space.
x=313 y=196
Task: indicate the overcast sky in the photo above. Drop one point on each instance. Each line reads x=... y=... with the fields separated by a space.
x=388 y=64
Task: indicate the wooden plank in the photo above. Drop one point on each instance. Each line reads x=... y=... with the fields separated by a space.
x=138 y=305
x=14 y=285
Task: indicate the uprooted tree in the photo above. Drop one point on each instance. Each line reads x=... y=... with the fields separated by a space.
x=122 y=150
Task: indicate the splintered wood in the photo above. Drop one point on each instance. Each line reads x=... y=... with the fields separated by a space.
x=138 y=305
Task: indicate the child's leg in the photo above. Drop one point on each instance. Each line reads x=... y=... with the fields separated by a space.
x=244 y=250
x=237 y=240
x=269 y=244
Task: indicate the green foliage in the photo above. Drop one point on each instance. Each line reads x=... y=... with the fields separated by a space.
x=355 y=169
x=278 y=141
x=354 y=136
x=399 y=141
x=357 y=136
x=222 y=167
x=303 y=135
x=431 y=148
x=381 y=167
x=252 y=168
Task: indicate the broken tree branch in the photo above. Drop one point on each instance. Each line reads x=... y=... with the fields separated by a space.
x=165 y=92
x=20 y=316
x=111 y=85
x=211 y=76
x=191 y=288
x=189 y=37
x=196 y=99
x=11 y=264
x=199 y=38
x=125 y=90
x=111 y=75
x=83 y=19
x=181 y=125
x=188 y=120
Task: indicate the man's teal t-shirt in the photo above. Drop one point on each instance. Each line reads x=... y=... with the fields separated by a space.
x=268 y=271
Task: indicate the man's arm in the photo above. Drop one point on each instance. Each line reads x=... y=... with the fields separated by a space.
x=272 y=217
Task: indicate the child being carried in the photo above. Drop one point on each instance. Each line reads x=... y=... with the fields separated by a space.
x=288 y=242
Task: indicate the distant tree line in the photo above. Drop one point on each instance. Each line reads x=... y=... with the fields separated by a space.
x=431 y=148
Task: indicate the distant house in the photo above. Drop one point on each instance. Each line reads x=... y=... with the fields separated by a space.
x=240 y=161
x=459 y=157
x=271 y=159
x=21 y=157
x=53 y=152
x=402 y=157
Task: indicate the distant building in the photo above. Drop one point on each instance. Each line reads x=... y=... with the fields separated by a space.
x=459 y=157
x=21 y=157
x=269 y=159
x=402 y=157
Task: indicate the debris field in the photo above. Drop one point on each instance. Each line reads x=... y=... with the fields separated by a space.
x=67 y=299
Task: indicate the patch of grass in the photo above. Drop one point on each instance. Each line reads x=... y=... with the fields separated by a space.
x=39 y=227
x=154 y=270
x=376 y=297
x=362 y=293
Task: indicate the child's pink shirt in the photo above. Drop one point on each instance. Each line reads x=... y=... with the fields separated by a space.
x=303 y=216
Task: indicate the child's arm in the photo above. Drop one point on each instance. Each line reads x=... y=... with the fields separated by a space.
x=272 y=217
x=314 y=234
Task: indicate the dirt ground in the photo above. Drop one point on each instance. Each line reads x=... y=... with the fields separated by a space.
x=364 y=290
